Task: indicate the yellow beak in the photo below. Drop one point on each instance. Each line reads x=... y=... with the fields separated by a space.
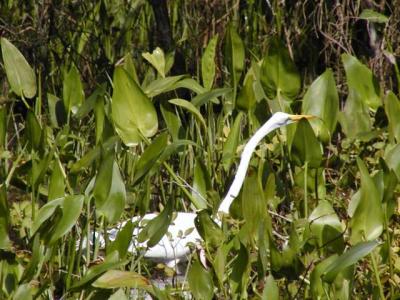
x=296 y=118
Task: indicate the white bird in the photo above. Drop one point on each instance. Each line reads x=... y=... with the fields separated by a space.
x=174 y=246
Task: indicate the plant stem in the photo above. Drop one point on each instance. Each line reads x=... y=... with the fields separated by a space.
x=376 y=272
x=305 y=190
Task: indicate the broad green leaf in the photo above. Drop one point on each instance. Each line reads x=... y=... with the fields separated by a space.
x=156 y=228
x=203 y=98
x=162 y=85
x=234 y=55
x=305 y=146
x=279 y=74
x=130 y=68
x=254 y=205
x=373 y=16
x=361 y=81
x=200 y=282
x=348 y=258
x=392 y=159
x=132 y=112
x=189 y=107
x=149 y=157
x=325 y=228
x=392 y=109
x=318 y=291
x=322 y=100
x=57 y=182
x=112 y=279
x=231 y=143
x=89 y=104
x=56 y=111
x=208 y=63
x=34 y=262
x=71 y=210
x=99 y=114
x=122 y=241
x=73 y=94
x=271 y=291
x=112 y=261
x=24 y=291
x=190 y=84
x=19 y=73
x=246 y=99
x=109 y=190
x=367 y=221
x=33 y=131
x=45 y=212
x=355 y=119
x=201 y=184
x=118 y=295
x=240 y=272
x=208 y=229
x=157 y=60
x=172 y=120
x=4 y=219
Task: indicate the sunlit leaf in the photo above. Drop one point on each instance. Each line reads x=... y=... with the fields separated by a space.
x=367 y=221
x=162 y=85
x=208 y=63
x=231 y=143
x=4 y=219
x=118 y=279
x=373 y=16
x=392 y=109
x=246 y=99
x=234 y=55
x=201 y=184
x=322 y=100
x=73 y=94
x=57 y=182
x=305 y=146
x=271 y=291
x=19 y=73
x=123 y=240
x=157 y=60
x=348 y=258
x=205 y=97
x=190 y=107
x=279 y=74
x=109 y=190
x=200 y=281
x=132 y=112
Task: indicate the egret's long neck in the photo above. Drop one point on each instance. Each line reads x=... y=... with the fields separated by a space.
x=244 y=164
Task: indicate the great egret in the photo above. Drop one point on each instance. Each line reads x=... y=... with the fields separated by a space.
x=173 y=247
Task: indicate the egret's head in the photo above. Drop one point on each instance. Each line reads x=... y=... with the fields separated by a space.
x=282 y=119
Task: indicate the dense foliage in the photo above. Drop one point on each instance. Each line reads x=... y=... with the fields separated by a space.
x=112 y=109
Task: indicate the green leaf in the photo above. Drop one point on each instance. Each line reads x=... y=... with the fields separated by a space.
x=373 y=16
x=19 y=73
x=150 y=157
x=156 y=228
x=24 y=291
x=210 y=232
x=56 y=111
x=33 y=131
x=392 y=159
x=132 y=112
x=201 y=184
x=122 y=241
x=3 y=126
x=157 y=60
x=112 y=261
x=112 y=279
x=73 y=94
x=347 y=259
x=322 y=101
x=208 y=63
x=71 y=209
x=367 y=221
x=271 y=291
x=200 y=282
x=162 y=85
x=279 y=74
x=4 y=219
x=189 y=107
x=305 y=146
x=172 y=120
x=254 y=206
x=231 y=143
x=325 y=227
x=392 y=109
x=57 y=182
x=361 y=81
x=240 y=272
x=205 y=97
x=234 y=55
x=109 y=190
x=318 y=291
x=118 y=295
x=99 y=114
x=247 y=98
